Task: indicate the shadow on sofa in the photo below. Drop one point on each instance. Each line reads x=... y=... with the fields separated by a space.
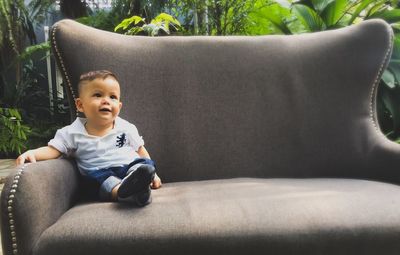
x=266 y=144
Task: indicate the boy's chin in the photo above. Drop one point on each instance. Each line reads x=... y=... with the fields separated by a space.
x=105 y=121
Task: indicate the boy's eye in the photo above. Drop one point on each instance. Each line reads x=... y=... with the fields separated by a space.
x=97 y=95
x=114 y=97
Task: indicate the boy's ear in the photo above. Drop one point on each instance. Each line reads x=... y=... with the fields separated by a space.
x=78 y=104
x=120 y=105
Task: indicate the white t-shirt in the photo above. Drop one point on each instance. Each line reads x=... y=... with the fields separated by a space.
x=119 y=147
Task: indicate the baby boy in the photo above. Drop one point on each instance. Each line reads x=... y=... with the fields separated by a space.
x=107 y=148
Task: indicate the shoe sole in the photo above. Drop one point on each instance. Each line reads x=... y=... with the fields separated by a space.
x=147 y=201
x=136 y=181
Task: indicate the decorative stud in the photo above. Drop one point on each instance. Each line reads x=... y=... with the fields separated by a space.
x=10 y=202
x=371 y=110
x=62 y=66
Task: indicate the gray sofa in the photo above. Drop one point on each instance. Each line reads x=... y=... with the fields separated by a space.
x=265 y=144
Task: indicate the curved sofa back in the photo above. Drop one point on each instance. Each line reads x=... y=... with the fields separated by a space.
x=242 y=106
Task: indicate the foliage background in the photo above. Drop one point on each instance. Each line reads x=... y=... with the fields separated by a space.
x=23 y=80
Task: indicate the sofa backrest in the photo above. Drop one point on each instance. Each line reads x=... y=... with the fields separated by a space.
x=237 y=106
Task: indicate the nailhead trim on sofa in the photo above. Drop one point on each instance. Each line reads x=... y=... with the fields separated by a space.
x=10 y=209
x=62 y=63
x=376 y=82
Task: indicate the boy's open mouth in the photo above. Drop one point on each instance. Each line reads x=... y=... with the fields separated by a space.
x=105 y=110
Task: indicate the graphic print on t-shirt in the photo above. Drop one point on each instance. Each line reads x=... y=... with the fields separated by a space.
x=121 y=140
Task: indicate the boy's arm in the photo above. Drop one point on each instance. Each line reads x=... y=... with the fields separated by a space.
x=42 y=153
x=156 y=183
x=143 y=152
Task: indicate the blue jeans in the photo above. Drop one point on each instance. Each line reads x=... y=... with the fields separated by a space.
x=109 y=178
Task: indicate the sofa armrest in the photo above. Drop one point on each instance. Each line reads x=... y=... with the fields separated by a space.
x=33 y=198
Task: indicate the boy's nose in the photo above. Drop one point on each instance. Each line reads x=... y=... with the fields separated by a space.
x=105 y=101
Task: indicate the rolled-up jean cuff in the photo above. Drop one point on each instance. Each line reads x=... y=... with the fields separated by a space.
x=107 y=186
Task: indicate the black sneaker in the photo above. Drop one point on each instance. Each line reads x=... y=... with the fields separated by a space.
x=143 y=198
x=136 y=181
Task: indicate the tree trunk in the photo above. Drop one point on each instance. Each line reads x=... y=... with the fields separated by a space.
x=195 y=20
x=217 y=14
x=73 y=9
x=137 y=9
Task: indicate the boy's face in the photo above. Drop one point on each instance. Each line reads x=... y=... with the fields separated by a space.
x=99 y=100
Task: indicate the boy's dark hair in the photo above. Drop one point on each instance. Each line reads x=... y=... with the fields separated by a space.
x=90 y=76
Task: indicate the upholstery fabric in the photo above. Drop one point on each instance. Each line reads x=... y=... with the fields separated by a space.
x=238 y=216
x=208 y=107
x=44 y=192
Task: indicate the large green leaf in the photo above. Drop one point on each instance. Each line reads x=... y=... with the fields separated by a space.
x=308 y=3
x=134 y=31
x=388 y=79
x=279 y=23
x=167 y=17
x=396 y=47
x=151 y=29
x=379 y=5
x=333 y=12
x=393 y=69
x=310 y=19
x=127 y=22
x=360 y=8
x=390 y=16
x=163 y=21
x=284 y=3
x=320 y=5
x=273 y=18
x=30 y=50
x=392 y=104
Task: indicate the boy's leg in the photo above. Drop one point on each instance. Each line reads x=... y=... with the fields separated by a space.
x=136 y=181
x=107 y=188
x=143 y=196
x=137 y=163
x=107 y=180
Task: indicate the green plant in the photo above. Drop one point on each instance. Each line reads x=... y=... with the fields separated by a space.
x=212 y=17
x=17 y=23
x=135 y=25
x=109 y=19
x=22 y=84
x=294 y=17
x=13 y=134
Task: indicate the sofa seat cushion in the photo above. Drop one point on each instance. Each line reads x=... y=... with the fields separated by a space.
x=238 y=216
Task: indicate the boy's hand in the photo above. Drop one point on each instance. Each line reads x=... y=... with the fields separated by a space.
x=28 y=155
x=156 y=183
